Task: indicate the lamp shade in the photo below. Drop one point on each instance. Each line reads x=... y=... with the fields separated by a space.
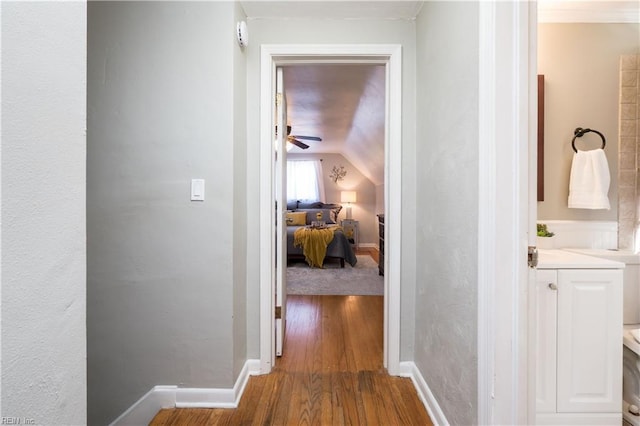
x=348 y=196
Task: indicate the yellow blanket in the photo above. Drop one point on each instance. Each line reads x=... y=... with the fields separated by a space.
x=314 y=243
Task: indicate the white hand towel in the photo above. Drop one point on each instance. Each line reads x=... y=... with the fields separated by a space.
x=589 y=180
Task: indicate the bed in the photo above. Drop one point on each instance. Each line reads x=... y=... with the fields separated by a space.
x=339 y=249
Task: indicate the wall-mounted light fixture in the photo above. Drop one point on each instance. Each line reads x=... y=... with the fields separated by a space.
x=348 y=197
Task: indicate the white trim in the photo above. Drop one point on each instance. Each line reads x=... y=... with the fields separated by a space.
x=267 y=215
x=391 y=54
x=503 y=211
x=486 y=210
x=145 y=409
x=393 y=209
x=369 y=245
x=580 y=419
x=159 y=397
x=588 y=12
x=205 y=398
x=411 y=370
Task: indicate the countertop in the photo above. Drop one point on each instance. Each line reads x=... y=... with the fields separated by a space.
x=560 y=259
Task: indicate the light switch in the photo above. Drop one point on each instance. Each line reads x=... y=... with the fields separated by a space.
x=197 y=189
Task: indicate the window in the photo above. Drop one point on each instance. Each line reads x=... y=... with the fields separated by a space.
x=304 y=180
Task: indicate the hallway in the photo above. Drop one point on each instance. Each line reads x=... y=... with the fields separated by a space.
x=331 y=373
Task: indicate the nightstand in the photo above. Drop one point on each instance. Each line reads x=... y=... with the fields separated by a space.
x=351 y=231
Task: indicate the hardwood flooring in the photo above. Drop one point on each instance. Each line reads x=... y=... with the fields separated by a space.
x=331 y=373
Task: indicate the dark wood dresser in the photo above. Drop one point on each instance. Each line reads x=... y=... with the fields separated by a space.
x=381 y=244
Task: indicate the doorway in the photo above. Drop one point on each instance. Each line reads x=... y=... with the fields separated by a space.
x=282 y=55
x=335 y=119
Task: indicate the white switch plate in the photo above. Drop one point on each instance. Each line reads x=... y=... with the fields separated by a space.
x=197 y=189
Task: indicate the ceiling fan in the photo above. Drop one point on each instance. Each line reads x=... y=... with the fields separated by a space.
x=294 y=139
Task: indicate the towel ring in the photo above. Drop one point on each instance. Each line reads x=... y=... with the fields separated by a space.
x=579 y=132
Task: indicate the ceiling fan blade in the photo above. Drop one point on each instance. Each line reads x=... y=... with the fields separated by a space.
x=298 y=143
x=309 y=138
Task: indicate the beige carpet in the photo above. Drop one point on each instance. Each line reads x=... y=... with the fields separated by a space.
x=362 y=279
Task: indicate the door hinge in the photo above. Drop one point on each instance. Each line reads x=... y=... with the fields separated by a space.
x=278 y=312
x=532 y=256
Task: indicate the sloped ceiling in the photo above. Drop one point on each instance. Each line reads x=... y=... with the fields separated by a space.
x=345 y=106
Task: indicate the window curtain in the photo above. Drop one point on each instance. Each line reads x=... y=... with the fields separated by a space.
x=305 y=180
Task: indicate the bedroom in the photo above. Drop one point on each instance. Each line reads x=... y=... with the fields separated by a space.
x=344 y=106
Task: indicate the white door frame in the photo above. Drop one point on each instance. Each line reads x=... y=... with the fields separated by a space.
x=507 y=210
x=283 y=54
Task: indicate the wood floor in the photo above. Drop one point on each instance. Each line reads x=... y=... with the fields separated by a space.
x=331 y=373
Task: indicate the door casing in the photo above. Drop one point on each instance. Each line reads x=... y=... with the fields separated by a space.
x=288 y=54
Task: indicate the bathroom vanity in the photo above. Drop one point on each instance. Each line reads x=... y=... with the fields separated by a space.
x=578 y=339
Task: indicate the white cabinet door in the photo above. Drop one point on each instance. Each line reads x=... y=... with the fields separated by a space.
x=546 y=335
x=589 y=369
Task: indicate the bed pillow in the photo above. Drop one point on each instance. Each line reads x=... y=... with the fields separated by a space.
x=312 y=215
x=296 y=218
x=292 y=205
x=310 y=204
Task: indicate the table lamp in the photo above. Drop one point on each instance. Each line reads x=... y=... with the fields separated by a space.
x=348 y=197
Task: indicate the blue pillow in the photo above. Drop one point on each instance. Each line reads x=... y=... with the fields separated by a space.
x=309 y=204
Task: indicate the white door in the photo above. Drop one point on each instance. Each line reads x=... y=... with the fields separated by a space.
x=281 y=208
x=546 y=340
x=589 y=341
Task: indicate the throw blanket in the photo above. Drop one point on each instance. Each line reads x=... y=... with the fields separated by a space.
x=314 y=243
x=589 y=180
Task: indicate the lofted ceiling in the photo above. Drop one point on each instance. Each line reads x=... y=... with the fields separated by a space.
x=344 y=104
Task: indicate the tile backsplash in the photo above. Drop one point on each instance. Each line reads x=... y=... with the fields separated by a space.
x=583 y=233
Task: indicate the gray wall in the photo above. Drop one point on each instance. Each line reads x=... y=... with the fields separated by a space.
x=241 y=215
x=580 y=64
x=166 y=276
x=447 y=202
x=43 y=212
x=337 y=31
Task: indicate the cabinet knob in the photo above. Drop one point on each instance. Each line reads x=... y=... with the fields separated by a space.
x=553 y=286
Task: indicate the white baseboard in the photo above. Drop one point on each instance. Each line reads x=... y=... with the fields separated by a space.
x=145 y=409
x=159 y=397
x=368 y=245
x=410 y=369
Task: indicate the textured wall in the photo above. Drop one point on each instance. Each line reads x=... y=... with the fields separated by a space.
x=161 y=281
x=447 y=206
x=43 y=212
x=580 y=65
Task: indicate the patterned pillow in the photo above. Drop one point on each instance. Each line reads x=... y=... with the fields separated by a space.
x=312 y=215
x=296 y=218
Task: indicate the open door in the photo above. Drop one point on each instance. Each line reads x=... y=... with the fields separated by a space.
x=281 y=208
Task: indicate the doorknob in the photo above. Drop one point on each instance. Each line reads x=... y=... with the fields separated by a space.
x=553 y=286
